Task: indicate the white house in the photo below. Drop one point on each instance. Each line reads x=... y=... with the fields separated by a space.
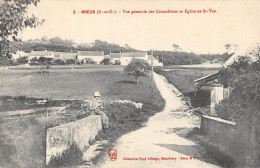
x=127 y=57
x=19 y=54
x=38 y=54
x=94 y=55
x=115 y=57
x=67 y=55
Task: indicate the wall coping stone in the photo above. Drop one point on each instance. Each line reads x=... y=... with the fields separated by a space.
x=219 y=120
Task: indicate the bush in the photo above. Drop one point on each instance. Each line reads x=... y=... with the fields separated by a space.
x=117 y=62
x=106 y=61
x=24 y=143
x=22 y=60
x=118 y=112
x=71 y=156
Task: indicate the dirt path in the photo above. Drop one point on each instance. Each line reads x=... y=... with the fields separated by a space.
x=159 y=139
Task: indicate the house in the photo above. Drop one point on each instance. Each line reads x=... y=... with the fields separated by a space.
x=127 y=57
x=115 y=57
x=207 y=80
x=218 y=92
x=67 y=56
x=19 y=54
x=96 y=56
x=38 y=54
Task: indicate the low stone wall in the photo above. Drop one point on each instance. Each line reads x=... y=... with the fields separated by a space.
x=219 y=130
x=80 y=132
x=236 y=139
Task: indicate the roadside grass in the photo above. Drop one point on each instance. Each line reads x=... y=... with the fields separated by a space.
x=69 y=157
x=24 y=139
x=183 y=78
x=22 y=143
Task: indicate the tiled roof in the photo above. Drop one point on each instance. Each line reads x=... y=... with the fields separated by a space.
x=40 y=53
x=90 y=53
x=134 y=54
x=115 y=55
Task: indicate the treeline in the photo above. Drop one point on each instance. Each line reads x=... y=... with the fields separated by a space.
x=184 y=58
x=57 y=44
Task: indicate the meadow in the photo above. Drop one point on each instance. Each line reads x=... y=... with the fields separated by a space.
x=182 y=77
x=24 y=139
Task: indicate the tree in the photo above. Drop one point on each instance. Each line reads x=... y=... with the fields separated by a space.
x=44 y=39
x=13 y=19
x=22 y=60
x=176 y=47
x=34 y=60
x=106 y=61
x=231 y=48
x=243 y=78
x=56 y=40
x=138 y=68
x=70 y=61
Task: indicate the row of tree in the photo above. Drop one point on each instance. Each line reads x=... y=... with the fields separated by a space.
x=57 y=44
x=185 y=58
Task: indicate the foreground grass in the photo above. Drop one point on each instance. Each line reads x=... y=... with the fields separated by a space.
x=22 y=143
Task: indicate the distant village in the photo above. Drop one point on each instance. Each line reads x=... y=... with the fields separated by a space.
x=82 y=57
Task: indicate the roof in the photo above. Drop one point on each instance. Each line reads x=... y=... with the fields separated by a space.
x=207 y=78
x=250 y=52
x=115 y=55
x=90 y=53
x=40 y=53
x=234 y=57
x=134 y=54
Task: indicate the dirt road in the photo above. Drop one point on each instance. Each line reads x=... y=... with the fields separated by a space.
x=158 y=140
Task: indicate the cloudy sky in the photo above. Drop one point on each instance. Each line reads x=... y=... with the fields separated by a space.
x=234 y=22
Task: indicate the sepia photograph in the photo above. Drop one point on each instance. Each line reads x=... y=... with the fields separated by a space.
x=129 y=84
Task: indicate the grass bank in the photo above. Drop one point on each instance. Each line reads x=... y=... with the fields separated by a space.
x=22 y=143
x=183 y=80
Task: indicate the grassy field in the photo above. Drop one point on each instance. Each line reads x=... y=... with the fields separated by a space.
x=182 y=77
x=20 y=137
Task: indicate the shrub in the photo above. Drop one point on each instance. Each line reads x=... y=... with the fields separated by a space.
x=71 y=156
x=24 y=141
x=118 y=112
x=106 y=61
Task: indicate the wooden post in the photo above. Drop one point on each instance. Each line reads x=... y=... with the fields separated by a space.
x=152 y=72
x=152 y=65
x=162 y=58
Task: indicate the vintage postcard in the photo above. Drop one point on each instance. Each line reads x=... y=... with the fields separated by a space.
x=138 y=84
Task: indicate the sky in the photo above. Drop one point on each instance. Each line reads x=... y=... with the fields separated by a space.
x=235 y=22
